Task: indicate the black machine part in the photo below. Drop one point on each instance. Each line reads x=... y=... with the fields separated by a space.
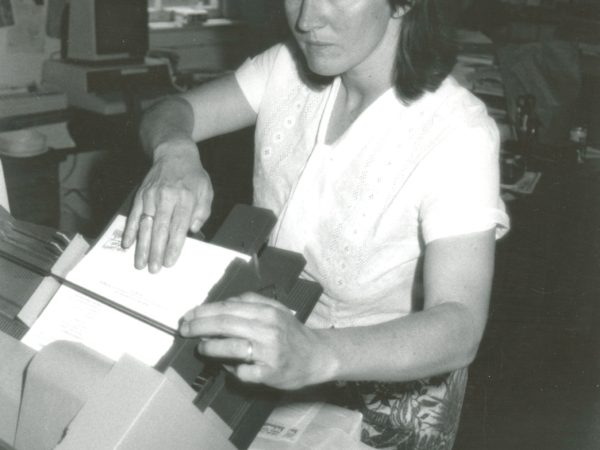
x=244 y=407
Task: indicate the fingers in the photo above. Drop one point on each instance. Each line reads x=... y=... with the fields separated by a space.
x=201 y=212
x=236 y=322
x=145 y=217
x=248 y=305
x=253 y=373
x=232 y=348
x=145 y=225
x=198 y=218
x=177 y=193
x=177 y=233
x=263 y=368
x=173 y=211
x=131 y=226
x=272 y=347
x=223 y=326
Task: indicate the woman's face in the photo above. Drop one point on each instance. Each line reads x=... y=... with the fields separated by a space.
x=339 y=35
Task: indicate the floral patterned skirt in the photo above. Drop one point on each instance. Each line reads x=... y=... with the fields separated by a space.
x=417 y=415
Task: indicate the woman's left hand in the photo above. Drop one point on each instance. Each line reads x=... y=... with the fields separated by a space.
x=274 y=348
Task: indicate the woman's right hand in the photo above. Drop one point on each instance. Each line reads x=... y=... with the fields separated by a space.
x=175 y=197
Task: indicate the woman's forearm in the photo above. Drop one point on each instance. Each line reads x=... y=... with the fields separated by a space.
x=428 y=343
x=212 y=109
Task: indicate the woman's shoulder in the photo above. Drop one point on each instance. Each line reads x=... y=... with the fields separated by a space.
x=282 y=58
x=272 y=57
x=269 y=75
x=453 y=124
x=457 y=111
x=466 y=106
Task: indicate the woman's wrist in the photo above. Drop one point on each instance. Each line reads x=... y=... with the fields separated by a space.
x=180 y=147
x=168 y=122
x=326 y=359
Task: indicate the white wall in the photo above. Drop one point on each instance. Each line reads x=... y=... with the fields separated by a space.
x=24 y=46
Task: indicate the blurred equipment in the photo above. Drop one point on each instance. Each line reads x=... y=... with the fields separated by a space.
x=55 y=15
x=578 y=138
x=33 y=100
x=189 y=16
x=550 y=72
x=100 y=30
x=105 y=89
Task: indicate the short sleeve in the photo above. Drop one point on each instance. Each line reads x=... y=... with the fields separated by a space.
x=463 y=192
x=253 y=75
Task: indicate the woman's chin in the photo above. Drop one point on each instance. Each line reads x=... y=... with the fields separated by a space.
x=323 y=68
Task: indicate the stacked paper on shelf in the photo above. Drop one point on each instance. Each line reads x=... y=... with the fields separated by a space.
x=477 y=71
x=475 y=52
x=474 y=48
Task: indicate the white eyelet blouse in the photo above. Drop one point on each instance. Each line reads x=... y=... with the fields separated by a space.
x=362 y=209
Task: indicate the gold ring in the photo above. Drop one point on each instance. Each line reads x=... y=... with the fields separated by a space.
x=250 y=353
x=145 y=216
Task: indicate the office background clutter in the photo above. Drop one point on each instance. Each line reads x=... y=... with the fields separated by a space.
x=32 y=36
x=70 y=157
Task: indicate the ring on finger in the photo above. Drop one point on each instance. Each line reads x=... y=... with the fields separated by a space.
x=249 y=353
x=145 y=216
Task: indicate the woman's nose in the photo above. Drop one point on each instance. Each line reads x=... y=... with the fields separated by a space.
x=310 y=15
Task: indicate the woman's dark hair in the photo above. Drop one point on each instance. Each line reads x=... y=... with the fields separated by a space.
x=425 y=54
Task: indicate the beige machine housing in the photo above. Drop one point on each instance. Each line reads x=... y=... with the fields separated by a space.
x=70 y=398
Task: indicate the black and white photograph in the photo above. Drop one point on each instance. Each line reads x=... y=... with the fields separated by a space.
x=300 y=224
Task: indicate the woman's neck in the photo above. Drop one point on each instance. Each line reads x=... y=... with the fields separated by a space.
x=364 y=83
x=354 y=98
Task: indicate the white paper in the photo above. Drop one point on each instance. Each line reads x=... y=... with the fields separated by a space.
x=526 y=184
x=108 y=270
x=71 y=316
x=49 y=286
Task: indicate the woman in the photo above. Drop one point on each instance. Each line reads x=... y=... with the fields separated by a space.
x=383 y=172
